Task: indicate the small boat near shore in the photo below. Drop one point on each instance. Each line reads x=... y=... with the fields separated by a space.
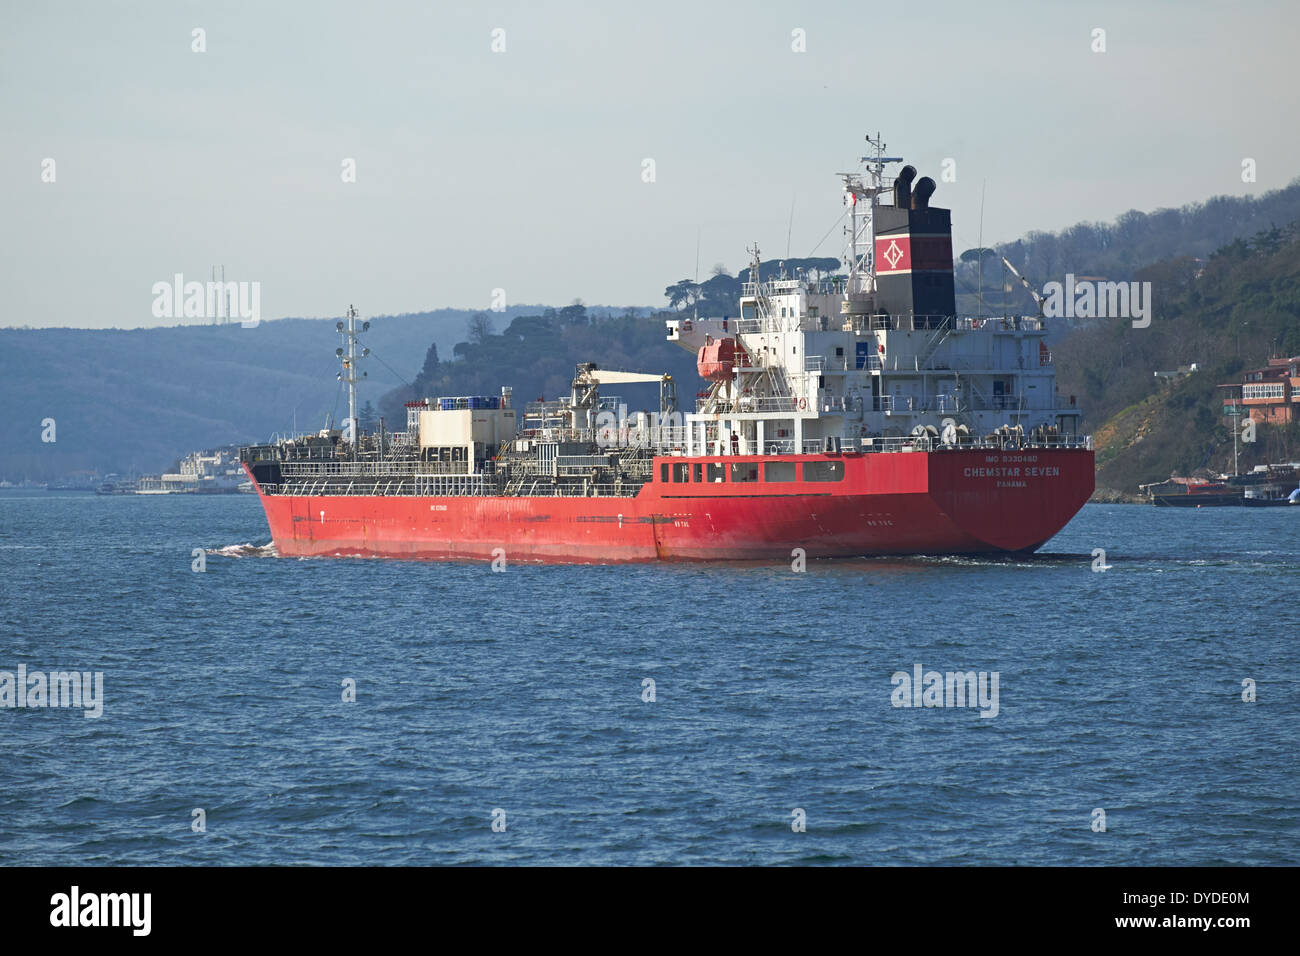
x=1265 y=487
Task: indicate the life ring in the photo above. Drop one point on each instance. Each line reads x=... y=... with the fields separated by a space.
x=803 y=404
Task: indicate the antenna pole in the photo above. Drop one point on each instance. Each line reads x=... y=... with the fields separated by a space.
x=789 y=229
x=868 y=188
x=853 y=240
x=348 y=357
x=352 y=378
x=980 y=260
x=1235 y=422
x=696 y=296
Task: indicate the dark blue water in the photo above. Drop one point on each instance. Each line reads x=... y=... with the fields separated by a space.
x=1119 y=690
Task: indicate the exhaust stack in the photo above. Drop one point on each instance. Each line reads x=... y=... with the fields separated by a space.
x=925 y=188
x=903 y=187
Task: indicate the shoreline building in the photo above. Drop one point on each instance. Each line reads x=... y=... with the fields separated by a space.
x=1268 y=396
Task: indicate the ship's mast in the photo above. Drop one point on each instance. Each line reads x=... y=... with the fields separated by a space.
x=351 y=366
x=869 y=189
x=349 y=374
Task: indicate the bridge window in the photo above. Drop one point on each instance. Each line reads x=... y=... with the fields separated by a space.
x=663 y=472
x=715 y=471
x=699 y=471
x=681 y=471
x=744 y=471
x=823 y=471
x=778 y=471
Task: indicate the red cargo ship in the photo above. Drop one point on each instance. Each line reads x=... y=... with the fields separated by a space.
x=856 y=415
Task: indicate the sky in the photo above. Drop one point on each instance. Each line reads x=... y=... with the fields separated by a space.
x=524 y=168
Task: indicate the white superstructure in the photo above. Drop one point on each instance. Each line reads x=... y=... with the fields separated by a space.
x=850 y=363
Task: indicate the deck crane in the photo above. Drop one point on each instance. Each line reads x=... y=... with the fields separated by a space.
x=590 y=378
x=1025 y=282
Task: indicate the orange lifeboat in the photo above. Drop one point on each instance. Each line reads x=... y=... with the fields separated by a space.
x=717 y=360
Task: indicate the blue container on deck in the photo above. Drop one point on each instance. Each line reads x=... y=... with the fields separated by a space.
x=446 y=404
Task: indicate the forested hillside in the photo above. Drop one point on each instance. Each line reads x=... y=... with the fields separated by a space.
x=1242 y=307
x=1118 y=250
x=536 y=355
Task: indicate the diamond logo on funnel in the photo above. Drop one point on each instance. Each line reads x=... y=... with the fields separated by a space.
x=893 y=254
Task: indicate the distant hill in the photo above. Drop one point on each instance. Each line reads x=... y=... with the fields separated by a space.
x=135 y=400
x=1241 y=308
x=1118 y=250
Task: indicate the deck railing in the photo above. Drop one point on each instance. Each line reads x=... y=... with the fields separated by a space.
x=446 y=487
x=361 y=469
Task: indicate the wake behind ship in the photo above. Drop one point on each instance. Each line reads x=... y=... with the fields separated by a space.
x=855 y=415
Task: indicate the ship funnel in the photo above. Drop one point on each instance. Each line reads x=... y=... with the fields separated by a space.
x=913 y=254
x=925 y=188
x=903 y=187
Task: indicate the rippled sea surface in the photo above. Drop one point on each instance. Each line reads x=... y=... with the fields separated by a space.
x=522 y=692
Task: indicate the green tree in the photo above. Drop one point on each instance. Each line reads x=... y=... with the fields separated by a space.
x=575 y=314
x=479 y=327
x=430 y=369
x=682 y=292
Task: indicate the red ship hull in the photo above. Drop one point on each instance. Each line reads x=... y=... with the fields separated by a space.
x=945 y=502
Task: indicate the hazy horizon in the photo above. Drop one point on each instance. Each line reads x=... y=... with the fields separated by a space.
x=523 y=169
